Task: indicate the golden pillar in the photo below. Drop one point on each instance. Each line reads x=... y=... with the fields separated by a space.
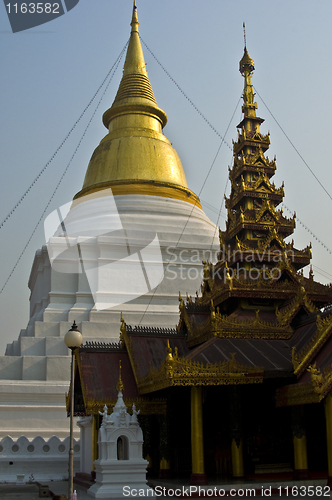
x=164 y=448
x=237 y=457
x=328 y=418
x=299 y=443
x=198 y=475
x=236 y=431
x=146 y=426
x=300 y=453
x=164 y=468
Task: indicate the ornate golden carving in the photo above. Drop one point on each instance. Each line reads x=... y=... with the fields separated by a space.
x=246 y=220
x=317 y=378
x=126 y=339
x=223 y=326
x=303 y=358
x=297 y=394
x=176 y=371
x=256 y=162
x=286 y=314
x=207 y=279
x=184 y=314
x=273 y=234
x=311 y=392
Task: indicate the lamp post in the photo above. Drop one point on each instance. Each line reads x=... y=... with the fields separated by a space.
x=72 y=339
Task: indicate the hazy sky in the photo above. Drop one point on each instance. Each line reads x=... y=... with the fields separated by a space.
x=50 y=73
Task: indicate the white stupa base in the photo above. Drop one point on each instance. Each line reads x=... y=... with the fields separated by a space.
x=35 y=371
x=112 y=476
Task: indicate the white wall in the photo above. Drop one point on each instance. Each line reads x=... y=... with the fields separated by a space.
x=38 y=459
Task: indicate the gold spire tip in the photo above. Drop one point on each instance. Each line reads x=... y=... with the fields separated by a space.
x=134 y=20
x=244 y=35
x=119 y=386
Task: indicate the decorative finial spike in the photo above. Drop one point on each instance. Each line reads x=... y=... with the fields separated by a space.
x=119 y=386
x=244 y=35
x=134 y=21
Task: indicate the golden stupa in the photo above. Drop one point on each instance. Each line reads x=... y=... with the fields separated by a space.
x=135 y=157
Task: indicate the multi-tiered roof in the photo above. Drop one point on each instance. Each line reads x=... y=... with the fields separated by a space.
x=254 y=223
x=257 y=288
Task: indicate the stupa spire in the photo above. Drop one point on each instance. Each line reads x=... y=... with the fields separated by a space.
x=134 y=20
x=135 y=83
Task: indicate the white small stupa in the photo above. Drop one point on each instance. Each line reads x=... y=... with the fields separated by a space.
x=120 y=450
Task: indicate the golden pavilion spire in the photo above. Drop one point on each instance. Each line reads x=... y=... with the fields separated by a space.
x=255 y=224
x=135 y=157
x=247 y=67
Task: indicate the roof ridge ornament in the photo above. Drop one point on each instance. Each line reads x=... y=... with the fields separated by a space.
x=120 y=385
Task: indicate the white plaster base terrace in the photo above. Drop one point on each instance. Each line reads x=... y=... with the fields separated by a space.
x=23 y=460
x=35 y=371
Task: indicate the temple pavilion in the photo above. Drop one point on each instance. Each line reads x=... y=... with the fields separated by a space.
x=242 y=386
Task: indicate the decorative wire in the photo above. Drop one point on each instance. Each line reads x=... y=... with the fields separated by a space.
x=323 y=273
x=185 y=95
x=307 y=229
x=213 y=209
x=194 y=205
x=306 y=164
x=115 y=66
x=219 y=213
x=62 y=143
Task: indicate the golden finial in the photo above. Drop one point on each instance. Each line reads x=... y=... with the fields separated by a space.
x=134 y=21
x=311 y=273
x=119 y=386
x=212 y=311
x=169 y=360
x=246 y=67
x=169 y=353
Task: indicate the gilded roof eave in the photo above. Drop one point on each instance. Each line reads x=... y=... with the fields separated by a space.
x=183 y=371
x=94 y=403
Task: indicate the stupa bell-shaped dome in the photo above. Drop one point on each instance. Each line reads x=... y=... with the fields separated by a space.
x=135 y=157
